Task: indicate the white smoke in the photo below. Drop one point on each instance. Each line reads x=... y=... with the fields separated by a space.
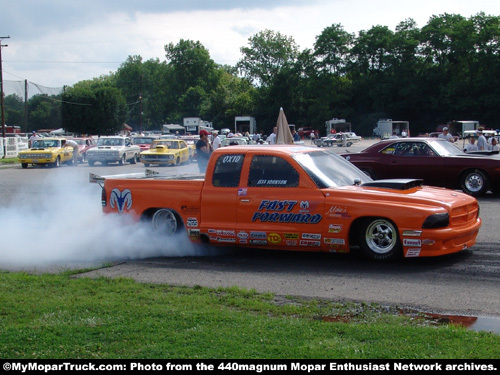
x=60 y=223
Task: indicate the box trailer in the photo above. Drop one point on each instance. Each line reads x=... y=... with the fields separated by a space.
x=243 y=124
x=388 y=127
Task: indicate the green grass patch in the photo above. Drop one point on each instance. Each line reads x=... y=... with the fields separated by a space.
x=58 y=316
x=8 y=160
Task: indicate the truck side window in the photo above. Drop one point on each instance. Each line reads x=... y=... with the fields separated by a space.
x=227 y=170
x=272 y=171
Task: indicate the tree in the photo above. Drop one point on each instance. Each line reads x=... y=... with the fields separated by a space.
x=268 y=53
x=93 y=108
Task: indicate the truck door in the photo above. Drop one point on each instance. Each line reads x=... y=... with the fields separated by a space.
x=219 y=199
x=274 y=210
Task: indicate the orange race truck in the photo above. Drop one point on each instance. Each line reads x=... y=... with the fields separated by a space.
x=297 y=198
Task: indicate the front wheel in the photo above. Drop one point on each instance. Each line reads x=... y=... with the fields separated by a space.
x=474 y=182
x=57 y=163
x=123 y=160
x=379 y=239
x=165 y=222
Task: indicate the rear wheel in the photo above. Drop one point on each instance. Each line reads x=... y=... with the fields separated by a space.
x=165 y=222
x=474 y=182
x=57 y=163
x=123 y=159
x=379 y=239
x=24 y=165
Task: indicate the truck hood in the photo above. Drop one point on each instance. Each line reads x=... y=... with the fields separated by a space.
x=405 y=191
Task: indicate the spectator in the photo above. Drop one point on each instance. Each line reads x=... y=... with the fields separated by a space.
x=471 y=146
x=482 y=144
x=272 y=137
x=446 y=135
x=295 y=135
x=203 y=151
x=33 y=137
x=494 y=144
x=215 y=140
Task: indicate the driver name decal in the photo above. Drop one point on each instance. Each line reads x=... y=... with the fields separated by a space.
x=278 y=211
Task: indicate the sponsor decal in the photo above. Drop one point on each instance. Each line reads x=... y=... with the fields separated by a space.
x=272 y=182
x=291 y=236
x=413 y=252
x=273 y=238
x=428 y=242
x=277 y=205
x=192 y=222
x=211 y=231
x=222 y=232
x=337 y=211
x=242 y=235
x=258 y=242
x=311 y=236
x=334 y=241
x=334 y=228
x=291 y=242
x=337 y=249
x=242 y=192
x=258 y=235
x=304 y=205
x=226 y=239
x=194 y=232
x=412 y=242
x=190 y=209
x=120 y=199
x=310 y=243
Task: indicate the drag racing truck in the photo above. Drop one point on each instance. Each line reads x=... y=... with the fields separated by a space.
x=292 y=197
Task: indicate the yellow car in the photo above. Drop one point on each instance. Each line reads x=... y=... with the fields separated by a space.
x=167 y=151
x=46 y=151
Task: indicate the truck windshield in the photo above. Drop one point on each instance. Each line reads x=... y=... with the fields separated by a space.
x=328 y=169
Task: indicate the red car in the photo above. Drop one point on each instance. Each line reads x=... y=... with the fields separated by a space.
x=306 y=133
x=436 y=161
x=84 y=144
x=143 y=141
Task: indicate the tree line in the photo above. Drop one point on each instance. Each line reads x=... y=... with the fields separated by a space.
x=447 y=70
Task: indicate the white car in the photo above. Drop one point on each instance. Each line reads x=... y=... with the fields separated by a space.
x=113 y=149
x=336 y=139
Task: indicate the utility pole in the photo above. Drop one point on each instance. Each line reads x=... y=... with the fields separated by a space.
x=1 y=92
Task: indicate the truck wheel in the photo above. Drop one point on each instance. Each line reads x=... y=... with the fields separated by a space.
x=24 y=165
x=123 y=159
x=165 y=222
x=379 y=239
x=134 y=160
x=474 y=182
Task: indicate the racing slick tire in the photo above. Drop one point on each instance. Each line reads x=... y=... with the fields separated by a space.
x=474 y=182
x=123 y=159
x=379 y=239
x=24 y=165
x=165 y=222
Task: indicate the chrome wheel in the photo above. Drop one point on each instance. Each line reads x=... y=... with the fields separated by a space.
x=380 y=239
x=165 y=222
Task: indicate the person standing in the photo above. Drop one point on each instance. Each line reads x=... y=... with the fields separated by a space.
x=33 y=137
x=471 y=146
x=215 y=140
x=446 y=135
x=482 y=144
x=203 y=150
x=272 y=137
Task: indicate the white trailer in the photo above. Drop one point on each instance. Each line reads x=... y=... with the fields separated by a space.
x=387 y=127
x=336 y=125
x=243 y=124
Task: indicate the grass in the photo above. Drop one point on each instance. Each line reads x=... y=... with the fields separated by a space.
x=58 y=316
x=8 y=160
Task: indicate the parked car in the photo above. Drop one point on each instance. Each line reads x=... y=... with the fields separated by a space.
x=234 y=141
x=46 y=152
x=336 y=139
x=167 y=152
x=143 y=141
x=437 y=161
x=84 y=144
x=113 y=149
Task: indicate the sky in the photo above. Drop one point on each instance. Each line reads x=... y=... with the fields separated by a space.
x=56 y=43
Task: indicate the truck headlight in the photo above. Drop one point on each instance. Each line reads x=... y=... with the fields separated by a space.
x=436 y=221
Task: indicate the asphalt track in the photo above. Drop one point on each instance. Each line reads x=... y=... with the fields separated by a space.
x=466 y=283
